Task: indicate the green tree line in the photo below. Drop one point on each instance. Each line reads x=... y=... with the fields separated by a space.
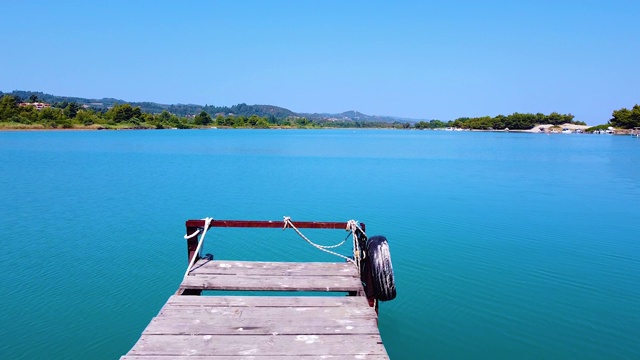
x=181 y=110
x=65 y=114
x=515 y=121
x=71 y=115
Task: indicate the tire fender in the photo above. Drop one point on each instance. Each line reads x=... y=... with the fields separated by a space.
x=379 y=261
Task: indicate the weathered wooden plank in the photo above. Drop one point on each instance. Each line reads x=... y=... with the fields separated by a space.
x=263 y=321
x=272 y=283
x=253 y=357
x=265 y=327
x=301 y=313
x=276 y=264
x=258 y=345
x=271 y=224
x=274 y=272
x=204 y=266
x=260 y=326
x=267 y=301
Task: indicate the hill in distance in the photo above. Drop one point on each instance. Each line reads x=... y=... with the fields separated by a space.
x=269 y=111
x=355 y=116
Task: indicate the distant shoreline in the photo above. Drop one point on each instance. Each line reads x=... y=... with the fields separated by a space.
x=538 y=129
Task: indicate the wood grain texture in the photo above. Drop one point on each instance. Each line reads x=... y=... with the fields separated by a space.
x=217 y=267
x=258 y=345
x=265 y=327
x=272 y=283
x=267 y=301
x=254 y=357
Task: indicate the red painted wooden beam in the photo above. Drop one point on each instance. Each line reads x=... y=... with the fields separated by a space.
x=269 y=224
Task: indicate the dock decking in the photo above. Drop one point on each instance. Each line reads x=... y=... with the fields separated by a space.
x=267 y=326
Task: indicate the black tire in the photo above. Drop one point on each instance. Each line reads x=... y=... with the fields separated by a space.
x=379 y=260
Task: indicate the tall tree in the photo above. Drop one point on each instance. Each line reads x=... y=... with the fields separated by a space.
x=622 y=118
x=123 y=113
x=71 y=110
x=203 y=118
x=8 y=107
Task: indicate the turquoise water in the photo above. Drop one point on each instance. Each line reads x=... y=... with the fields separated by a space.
x=504 y=245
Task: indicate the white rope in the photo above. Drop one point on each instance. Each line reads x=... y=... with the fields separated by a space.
x=187 y=237
x=288 y=223
x=207 y=222
x=353 y=226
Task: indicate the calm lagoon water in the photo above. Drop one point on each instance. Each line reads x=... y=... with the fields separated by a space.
x=504 y=245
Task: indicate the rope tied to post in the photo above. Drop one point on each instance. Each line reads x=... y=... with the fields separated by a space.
x=195 y=233
x=352 y=226
x=207 y=222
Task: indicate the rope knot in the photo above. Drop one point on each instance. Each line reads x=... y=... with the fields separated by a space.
x=287 y=222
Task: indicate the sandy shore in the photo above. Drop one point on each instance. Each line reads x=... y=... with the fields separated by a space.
x=545 y=128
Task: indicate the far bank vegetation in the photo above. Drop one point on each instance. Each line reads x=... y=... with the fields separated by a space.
x=16 y=113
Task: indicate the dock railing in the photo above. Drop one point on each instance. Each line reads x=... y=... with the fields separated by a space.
x=195 y=229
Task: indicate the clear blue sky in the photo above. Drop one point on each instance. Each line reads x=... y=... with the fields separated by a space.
x=418 y=59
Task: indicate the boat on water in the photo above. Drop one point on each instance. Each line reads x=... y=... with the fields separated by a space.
x=604 y=132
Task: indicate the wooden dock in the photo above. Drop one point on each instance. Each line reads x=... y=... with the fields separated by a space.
x=331 y=319
x=265 y=327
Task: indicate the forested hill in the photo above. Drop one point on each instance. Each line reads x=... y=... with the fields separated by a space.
x=182 y=110
x=355 y=116
x=155 y=108
x=248 y=110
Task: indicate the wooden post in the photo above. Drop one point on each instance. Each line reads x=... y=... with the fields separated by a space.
x=192 y=245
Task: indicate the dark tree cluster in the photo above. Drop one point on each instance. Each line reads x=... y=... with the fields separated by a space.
x=433 y=124
x=70 y=114
x=625 y=118
x=66 y=114
x=515 y=121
